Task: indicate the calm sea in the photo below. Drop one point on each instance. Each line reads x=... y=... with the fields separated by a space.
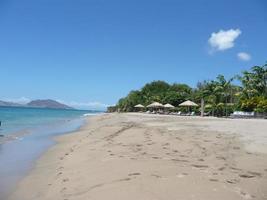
x=25 y=134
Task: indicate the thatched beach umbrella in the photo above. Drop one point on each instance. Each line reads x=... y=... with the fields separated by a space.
x=139 y=106
x=188 y=104
x=155 y=105
x=168 y=106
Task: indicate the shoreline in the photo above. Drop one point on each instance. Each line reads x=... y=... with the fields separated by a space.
x=139 y=156
x=22 y=149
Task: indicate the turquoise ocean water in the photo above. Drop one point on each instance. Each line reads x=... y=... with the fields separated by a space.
x=25 y=134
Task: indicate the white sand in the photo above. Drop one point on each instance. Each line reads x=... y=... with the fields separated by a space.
x=140 y=156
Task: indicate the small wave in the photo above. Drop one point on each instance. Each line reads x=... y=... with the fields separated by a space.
x=14 y=136
x=89 y=114
x=7 y=139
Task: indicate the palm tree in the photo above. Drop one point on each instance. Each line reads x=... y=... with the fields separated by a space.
x=259 y=77
x=223 y=89
x=254 y=82
x=206 y=90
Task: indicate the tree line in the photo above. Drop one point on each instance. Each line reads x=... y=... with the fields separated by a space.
x=220 y=95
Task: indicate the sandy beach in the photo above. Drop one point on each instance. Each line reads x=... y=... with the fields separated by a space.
x=151 y=157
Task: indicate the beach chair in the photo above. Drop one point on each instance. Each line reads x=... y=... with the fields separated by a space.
x=241 y=114
x=207 y=114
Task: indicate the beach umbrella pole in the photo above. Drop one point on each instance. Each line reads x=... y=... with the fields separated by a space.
x=202 y=107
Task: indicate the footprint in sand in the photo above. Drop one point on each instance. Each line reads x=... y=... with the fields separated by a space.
x=207 y=140
x=232 y=181
x=63 y=189
x=134 y=174
x=124 y=179
x=179 y=160
x=60 y=173
x=221 y=168
x=250 y=174
x=65 y=180
x=221 y=157
x=246 y=176
x=235 y=168
x=218 y=136
x=214 y=180
x=255 y=173
x=155 y=175
x=200 y=166
x=181 y=175
x=236 y=148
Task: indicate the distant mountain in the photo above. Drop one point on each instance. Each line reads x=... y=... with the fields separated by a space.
x=6 y=103
x=47 y=103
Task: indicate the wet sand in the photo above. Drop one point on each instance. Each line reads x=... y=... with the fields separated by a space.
x=142 y=156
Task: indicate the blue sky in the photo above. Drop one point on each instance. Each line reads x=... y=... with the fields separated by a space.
x=92 y=52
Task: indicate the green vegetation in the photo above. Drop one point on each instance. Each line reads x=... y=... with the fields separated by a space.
x=221 y=96
x=159 y=91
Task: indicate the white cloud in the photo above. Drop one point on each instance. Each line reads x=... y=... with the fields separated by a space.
x=243 y=56
x=223 y=40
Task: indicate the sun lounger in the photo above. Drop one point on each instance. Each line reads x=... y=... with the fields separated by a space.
x=241 y=114
x=207 y=114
